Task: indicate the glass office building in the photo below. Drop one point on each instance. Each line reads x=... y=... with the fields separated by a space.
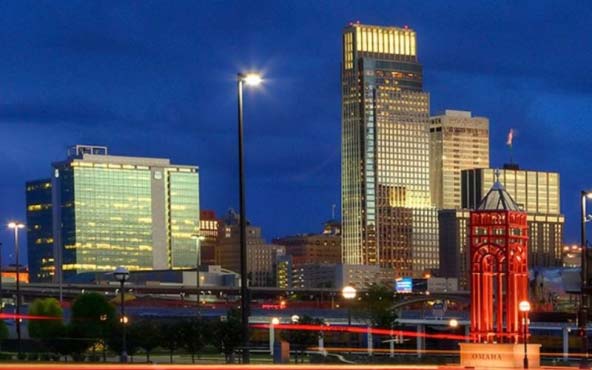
x=387 y=213
x=458 y=141
x=39 y=230
x=109 y=211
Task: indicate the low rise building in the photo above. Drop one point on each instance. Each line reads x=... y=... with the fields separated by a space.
x=336 y=276
x=324 y=247
x=261 y=256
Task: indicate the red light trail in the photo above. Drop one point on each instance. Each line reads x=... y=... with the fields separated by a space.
x=355 y=329
x=12 y=316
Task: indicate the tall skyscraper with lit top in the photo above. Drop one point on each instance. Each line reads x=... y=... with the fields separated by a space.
x=387 y=213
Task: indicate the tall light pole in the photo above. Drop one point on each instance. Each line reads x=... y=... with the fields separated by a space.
x=583 y=319
x=249 y=79
x=524 y=307
x=121 y=274
x=198 y=239
x=349 y=293
x=1 y=292
x=16 y=226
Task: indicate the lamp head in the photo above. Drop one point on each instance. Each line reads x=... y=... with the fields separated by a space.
x=275 y=321
x=251 y=79
x=349 y=292
x=524 y=306
x=453 y=323
x=121 y=274
x=15 y=225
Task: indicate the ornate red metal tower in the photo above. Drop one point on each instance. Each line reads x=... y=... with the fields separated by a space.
x=499 y=267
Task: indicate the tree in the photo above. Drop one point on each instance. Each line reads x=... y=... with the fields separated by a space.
x=228 y=334
x=192 y=334
x=148 y=335
x=3 y=330
x=170 y=335
x=52 y=327
x=376 y=307
x=300 y=340
x=132 y=339
x=93 y=319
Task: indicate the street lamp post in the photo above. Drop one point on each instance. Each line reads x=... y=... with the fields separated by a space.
x=349 y=293
x=121 y=274
x=1 y=291
x=524 y=307
x=583 y=316
x=16 y=226
x=198 y=239
x=249 y=79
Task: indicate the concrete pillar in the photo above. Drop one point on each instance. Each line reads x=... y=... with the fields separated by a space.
x=322 y=345
x=271 y=338
x=420 y=340
x=392 y=347
x=370 y=344
x=565 y=332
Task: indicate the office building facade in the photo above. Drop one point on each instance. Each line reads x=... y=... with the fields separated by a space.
x=39 y=230
x=314 y=248
x=109 y=211
x=336 y=276
x=458 y=141
x=208 y=234
x=536 y=192
x=261 y=257
x=387 y=214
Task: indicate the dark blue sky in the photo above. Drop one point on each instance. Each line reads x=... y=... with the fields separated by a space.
x=158 y=79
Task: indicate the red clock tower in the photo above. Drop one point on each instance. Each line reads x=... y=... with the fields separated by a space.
x=498 y=266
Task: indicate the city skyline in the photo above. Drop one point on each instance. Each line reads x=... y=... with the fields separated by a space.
x=164 y=110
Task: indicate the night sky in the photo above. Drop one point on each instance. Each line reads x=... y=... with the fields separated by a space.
x=158 y=79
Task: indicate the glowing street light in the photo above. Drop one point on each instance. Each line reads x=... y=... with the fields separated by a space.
x=524 y=307
x=349 y=292
x=16 y=226
x=453 y=323
x=249 y=79
x=252 y=79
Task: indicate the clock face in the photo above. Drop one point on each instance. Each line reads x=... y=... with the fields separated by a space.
x=158 y=175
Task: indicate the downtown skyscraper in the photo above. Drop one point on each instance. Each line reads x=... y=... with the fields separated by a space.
x=387 y=212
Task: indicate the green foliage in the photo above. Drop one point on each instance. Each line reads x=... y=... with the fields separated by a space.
x=192 y=336
x=3 y=330
x=132 y=337
x=171 y=338
x=46 y=330
x=300 y=340
x=375 y=306
x=228 y=334
x=148 y=335
x=93 y=319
